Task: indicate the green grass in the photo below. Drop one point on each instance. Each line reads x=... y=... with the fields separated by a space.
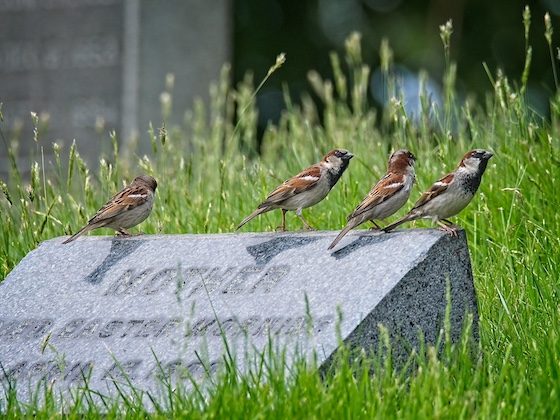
x=211 y=176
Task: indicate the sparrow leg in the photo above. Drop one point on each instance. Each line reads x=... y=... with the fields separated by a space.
x=447 y=221
x=123 y=232
x=375 y=226
x=449 y=229
x=282 y=227
x=307 y=225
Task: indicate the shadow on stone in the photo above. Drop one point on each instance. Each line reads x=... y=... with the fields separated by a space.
x=120 y=248
x=361 y=241
x=266 y=251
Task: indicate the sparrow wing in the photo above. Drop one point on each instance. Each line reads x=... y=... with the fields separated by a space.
x=303 y=181
x=386 y=188
x=127 y=199
x=435 y=190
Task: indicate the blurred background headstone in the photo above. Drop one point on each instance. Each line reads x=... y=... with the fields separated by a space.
x=87 y=67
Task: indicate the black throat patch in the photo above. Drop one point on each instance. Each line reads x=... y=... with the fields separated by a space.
x=472 y=181
x=333 y=177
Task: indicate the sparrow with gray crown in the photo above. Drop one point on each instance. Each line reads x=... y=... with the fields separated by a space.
x=451 y=194
x=387 y=196
x=126 y=209
x=306 y=188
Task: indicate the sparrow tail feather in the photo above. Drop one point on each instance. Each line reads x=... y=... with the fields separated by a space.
x=407 y=218
x=75 y=236
x=351 y=224
x=258 y=211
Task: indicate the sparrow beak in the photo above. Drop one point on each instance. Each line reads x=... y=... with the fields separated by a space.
x=488 y=155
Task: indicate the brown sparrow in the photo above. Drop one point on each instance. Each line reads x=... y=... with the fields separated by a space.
x=387 y=196
x=451 y=194
x=306 y=188
x=126 y=209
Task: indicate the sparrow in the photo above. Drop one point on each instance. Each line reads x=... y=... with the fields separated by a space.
x=451 y=194
x=387 y=196
x=306 y=188
x=126 y=209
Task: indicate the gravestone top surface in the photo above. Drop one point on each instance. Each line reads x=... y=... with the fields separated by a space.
x=111 y=304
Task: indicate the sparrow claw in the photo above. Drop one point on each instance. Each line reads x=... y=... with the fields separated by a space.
x=450 y=230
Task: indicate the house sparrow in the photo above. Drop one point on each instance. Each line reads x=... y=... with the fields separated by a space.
x=387 y=196
x=451 y=194
x=126 y=209
x=306 y=188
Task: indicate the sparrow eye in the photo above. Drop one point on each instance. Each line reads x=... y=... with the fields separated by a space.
x=339 y=153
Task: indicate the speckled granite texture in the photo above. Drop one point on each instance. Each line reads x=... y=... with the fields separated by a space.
x=105 y=306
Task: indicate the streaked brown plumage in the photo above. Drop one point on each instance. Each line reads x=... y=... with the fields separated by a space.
x=387 y=196
x=451 y=194
x=125 y=209
x=306 y=188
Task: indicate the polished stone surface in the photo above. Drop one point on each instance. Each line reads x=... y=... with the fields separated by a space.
x=112 y=304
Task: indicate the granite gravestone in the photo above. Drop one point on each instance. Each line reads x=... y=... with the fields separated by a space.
x=139 y=306
x=103 y=63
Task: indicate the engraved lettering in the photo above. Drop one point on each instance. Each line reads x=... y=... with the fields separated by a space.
x=133 y=323
x=176 y=367
x=95 y=52
x=35 y=5
x=226 y=326
x=40 y=327
x=168 y=327
x=239 y=282
x=25 y=328
x=14 y=329
x=150 y=328
x=47 y=369
x=90 y=329
x=160 y=280
x=71 y=327
x=214 y=366
x=269 y=325
x=271 y=278
x=17 y=371
x=79 y=372
x=250 y=325
x=200 y=326
x=122 y=371
x=295 y=326
x=110 y=328
x=212 y=280
x=195 y=368
x=323 y=323
x=87 y=52
x=193 y=274
x=199 y=280
x=126 y=283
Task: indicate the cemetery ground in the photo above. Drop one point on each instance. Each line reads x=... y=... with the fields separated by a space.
x=211 y=175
